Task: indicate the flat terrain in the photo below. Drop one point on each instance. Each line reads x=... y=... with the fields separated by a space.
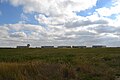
x=60 y=64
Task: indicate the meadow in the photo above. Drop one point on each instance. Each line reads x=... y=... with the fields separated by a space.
x=60 y=64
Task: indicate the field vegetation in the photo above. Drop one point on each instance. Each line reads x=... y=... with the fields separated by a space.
x=60 y=64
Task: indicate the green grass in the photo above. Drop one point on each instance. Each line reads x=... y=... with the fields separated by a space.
x=60 y=64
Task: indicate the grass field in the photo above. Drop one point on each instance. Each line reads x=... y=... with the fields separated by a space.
x=60 y=64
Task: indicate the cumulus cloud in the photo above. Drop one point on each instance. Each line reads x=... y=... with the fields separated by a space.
x=25 y=27
x=42 y=19
x=55 y=12
x=54 y=7
x=4 y=32
x=18 y=34
x=108 y=11
x=24 y=18
x=59 y=24
x=55 y=35
x=104 y=29
x=84 y=23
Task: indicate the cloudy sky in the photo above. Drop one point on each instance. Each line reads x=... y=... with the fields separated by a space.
x=60 y=22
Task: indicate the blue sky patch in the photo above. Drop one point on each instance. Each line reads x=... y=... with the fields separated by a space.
x=100 y=4
x=10 y=14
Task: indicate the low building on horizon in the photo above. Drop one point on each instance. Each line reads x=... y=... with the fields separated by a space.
x=99 y=46
x=28 y=46
x=64 y=47
x=47 y=46
x=79 y=46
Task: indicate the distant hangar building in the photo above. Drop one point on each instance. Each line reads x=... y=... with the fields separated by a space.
x=98 y=46
x=64 y=47
x=78 y=46
x=47 y=46
x=28 y=46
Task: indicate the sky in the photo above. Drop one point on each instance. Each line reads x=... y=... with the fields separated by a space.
x=59 y=22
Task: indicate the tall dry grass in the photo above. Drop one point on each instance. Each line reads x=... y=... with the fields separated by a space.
x=35 y=71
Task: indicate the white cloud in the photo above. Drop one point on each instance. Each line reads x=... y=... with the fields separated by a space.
x=59 y=24
x=108 y=11
x=54 y=7
x=101 y=29
x=117 y=21
x=42 y=19
x=25 y=27
x=24 y=18
x=82 y=23
x=4 y=32
x=18 y=35
x=57 y=35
